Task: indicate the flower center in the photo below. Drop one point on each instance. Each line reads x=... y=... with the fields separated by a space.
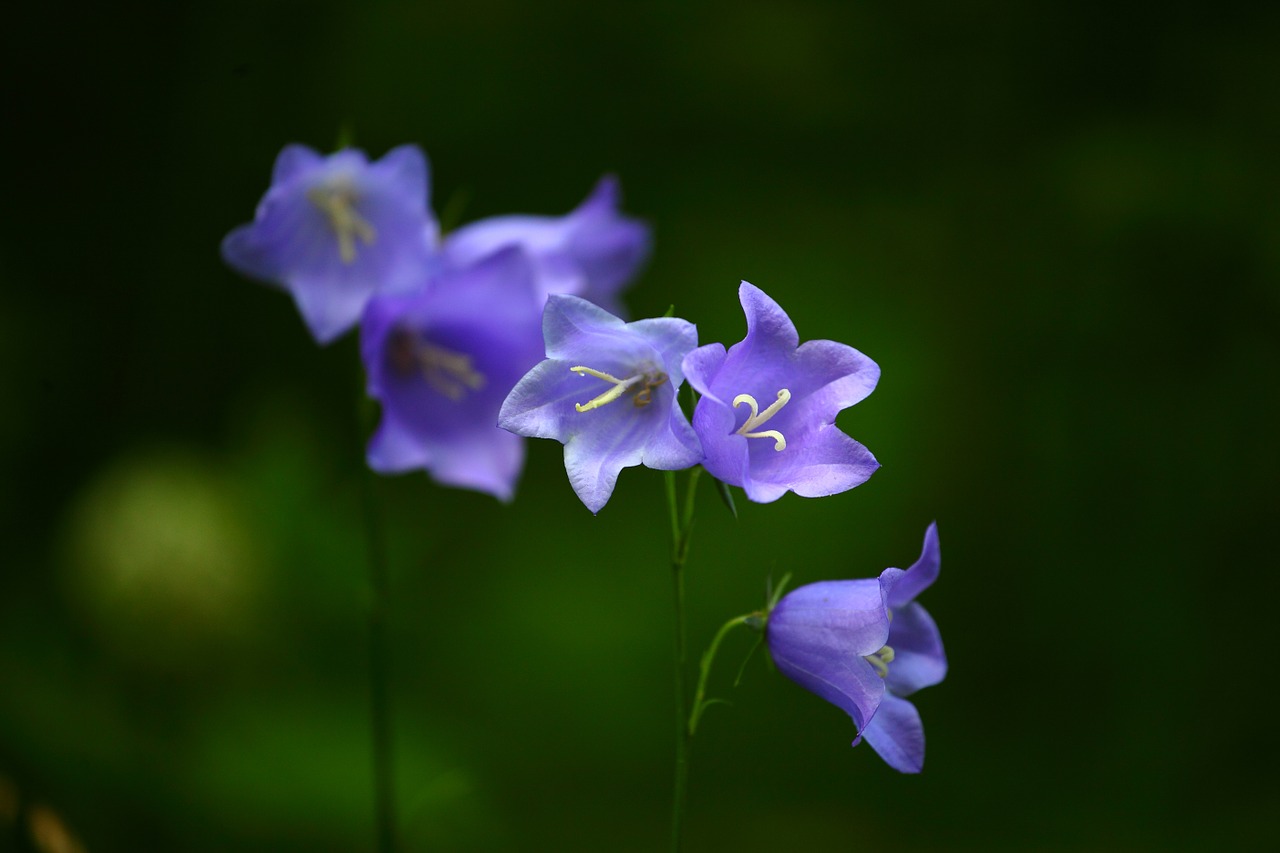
x=644 y=382
x=881 y=660
x=337 y=202
x=759 y=418
x=445 y=370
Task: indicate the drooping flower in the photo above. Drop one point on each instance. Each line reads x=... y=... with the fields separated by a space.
x=607 y=391
x=864 y=645
x=825 y=636
x=767 y=413
x=592 y=252
x=335 y=230
x=441 y=360
x=916 y=660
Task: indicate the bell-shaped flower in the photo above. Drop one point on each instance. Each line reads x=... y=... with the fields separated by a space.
x=767 y=413
x=864 y=645
x=824 y=636
x=335 y=230
x=916 y=660
x=592 y=252
x=441 y=360
x=607 y=391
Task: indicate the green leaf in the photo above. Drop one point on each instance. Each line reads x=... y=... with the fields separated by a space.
x=727 y=496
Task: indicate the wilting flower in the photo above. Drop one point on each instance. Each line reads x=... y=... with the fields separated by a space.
x=335 y=230
x=916 y=660
x=592 y=252
x=441 y=360
x=863 y=645
x=607 y=391
x=766 y=418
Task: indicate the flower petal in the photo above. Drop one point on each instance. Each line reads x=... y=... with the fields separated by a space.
x=902 y=587
x=897 y=734
x=918 y=657
x=823 y=462
x=294 y=160
x=818 y=635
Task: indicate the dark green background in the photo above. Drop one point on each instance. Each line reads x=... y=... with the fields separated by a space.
x=1055 y=226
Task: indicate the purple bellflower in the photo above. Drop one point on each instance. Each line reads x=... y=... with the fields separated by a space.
x=863 y=645
x=916 y=660
x=335 y=230
x=592 y=252
x=767 y=413
x=440 y=360
x=607 y=391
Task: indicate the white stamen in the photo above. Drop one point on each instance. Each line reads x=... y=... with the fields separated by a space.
x=758 y=418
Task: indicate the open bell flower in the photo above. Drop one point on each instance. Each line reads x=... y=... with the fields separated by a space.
x=917 y=660
x=865 y=645
x=335 y=230
x=593 y=251
x=607 y=391
x=441 y=360
x=766 y=418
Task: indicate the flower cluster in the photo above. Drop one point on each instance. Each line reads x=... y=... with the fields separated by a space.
x=447 y=324
x=510 y=328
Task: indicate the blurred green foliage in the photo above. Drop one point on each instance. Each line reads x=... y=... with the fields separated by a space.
x=1055 y=226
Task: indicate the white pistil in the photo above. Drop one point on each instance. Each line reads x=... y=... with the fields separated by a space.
x=337 y=201
x=620 y=387
x=758 y=418
x=881 y=660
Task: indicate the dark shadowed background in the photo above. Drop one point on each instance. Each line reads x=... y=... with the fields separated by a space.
x=1055 y=226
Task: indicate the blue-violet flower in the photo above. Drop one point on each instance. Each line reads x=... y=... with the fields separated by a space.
x=864 y=645
x=607 y=391
x=766 y=417
x=441 y=360
x=335 y=230
x=592 y=252
x=916 y=660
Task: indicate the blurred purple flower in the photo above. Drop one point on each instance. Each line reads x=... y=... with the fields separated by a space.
x=767 y=414
x=441 y=360
x=607 y=391
x=592 y=252
x=335 y=230
x=863 y=645
x=917 y=660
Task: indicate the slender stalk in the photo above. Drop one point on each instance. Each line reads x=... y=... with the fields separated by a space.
x=681 y=527
x=699 y=696
x=379 y=692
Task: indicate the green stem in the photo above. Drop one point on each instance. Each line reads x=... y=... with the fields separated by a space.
x=699 y=705
x=379 y=692
x=681 y=527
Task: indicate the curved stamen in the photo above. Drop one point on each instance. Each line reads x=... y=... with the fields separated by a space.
x=444 y=370
x=881 y=660
x=620 y=387
x=758 y=418
x=338 y=203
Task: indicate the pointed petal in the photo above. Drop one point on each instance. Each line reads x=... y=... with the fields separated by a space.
x=489 y=462
x=541 y=404
x=571 y=325
x=394 y=449
x=726 y=452
x=918 y=657
x=825 y=462
x=672 y=338
x=593 y=461
x=768 y=326
x=897 y=734
x=701 y=366
x=902 y=587
x=675 y=446
x=830 y=377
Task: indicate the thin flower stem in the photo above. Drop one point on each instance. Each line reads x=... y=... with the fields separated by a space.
x=681 y=526
x=699 y=705
x=383 y=770
x=379 y=666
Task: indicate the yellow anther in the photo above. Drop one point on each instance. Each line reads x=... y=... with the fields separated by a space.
x=758 y=418
x=337 y=201
x=881 y=660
